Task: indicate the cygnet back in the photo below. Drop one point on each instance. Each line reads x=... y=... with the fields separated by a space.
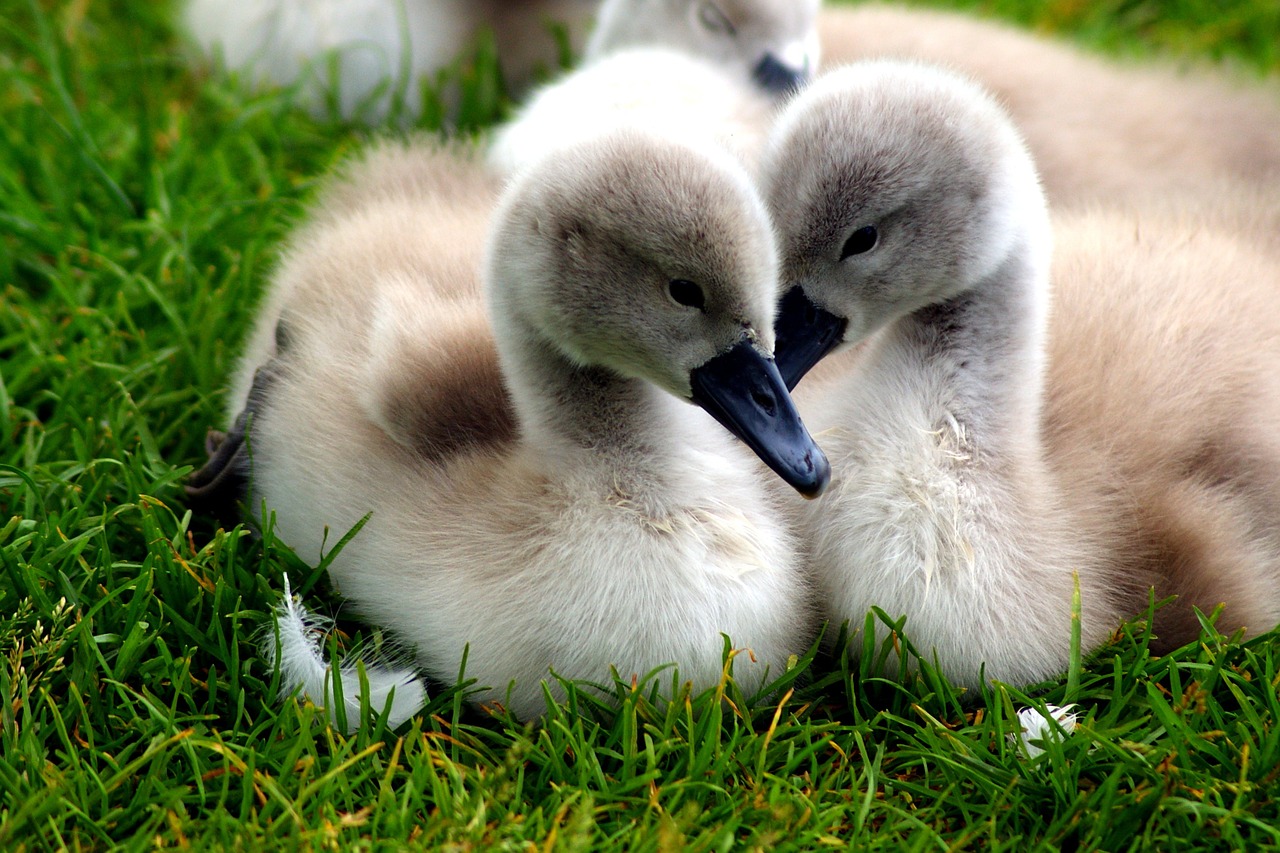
x=658 y=90
x=1098 y=128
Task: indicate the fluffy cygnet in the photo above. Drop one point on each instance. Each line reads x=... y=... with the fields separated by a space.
x=615 y=525
x=980 y=470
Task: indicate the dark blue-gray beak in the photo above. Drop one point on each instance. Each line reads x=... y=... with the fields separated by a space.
x=805 y=333
x=744 y=391
x=778 y=78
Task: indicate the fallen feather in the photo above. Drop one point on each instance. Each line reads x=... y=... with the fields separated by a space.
x=298 y=644
x=1037 y=725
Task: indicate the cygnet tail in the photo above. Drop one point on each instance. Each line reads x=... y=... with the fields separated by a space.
x=298 y=645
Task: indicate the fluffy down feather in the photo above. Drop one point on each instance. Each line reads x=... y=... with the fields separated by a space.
x=298 y=645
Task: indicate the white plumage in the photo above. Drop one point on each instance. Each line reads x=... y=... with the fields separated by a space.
x=1036 y=727
x=658 y=89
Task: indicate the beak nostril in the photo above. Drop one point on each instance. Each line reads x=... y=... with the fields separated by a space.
x=743 y=390
x=766 y=401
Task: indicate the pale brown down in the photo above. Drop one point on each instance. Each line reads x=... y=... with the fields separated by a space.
x=1098 y=128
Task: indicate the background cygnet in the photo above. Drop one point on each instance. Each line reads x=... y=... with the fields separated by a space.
x=982 y=456
x=771 y=43
x=615 y=525
x=365 y=52
x=1098 y=128
x=1162 y=354
x=385 y=48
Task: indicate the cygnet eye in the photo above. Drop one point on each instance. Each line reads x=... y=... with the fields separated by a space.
x=714 y=20
x=687 y=293
x=860 y=241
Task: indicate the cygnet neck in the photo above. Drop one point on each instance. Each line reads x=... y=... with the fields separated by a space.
x=986 y=346
x=583 y=418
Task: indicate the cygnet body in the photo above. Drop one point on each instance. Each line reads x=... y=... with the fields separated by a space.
x=1161 y=372
x=608 y=523
x=912 y=219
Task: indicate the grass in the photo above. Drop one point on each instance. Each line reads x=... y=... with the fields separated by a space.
x=140 y=209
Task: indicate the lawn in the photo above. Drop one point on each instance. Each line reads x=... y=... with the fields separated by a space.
x=141 y=205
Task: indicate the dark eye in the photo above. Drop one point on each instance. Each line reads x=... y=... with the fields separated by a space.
x=686 y=293
x=714 y=20
x=862 y=240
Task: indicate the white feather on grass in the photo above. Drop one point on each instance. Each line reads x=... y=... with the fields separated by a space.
x=298 y=645
x=1037 y=725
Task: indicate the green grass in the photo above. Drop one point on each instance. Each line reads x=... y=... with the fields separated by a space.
x=140 y=209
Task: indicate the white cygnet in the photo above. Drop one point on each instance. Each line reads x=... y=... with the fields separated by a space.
x=587 y=518
x=984 y=457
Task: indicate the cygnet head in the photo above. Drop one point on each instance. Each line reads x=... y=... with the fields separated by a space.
x=655 y=260
x=774 y=43
x=893 y=186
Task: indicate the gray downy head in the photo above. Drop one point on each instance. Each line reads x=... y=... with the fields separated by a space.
x=893 y=186
x=654 y=260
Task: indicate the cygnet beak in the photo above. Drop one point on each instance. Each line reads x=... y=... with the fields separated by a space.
x=804 y=333
x=744 y=391
x=777 y=78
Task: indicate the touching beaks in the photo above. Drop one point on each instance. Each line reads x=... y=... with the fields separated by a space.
x=804 y=333
x=743 y=390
